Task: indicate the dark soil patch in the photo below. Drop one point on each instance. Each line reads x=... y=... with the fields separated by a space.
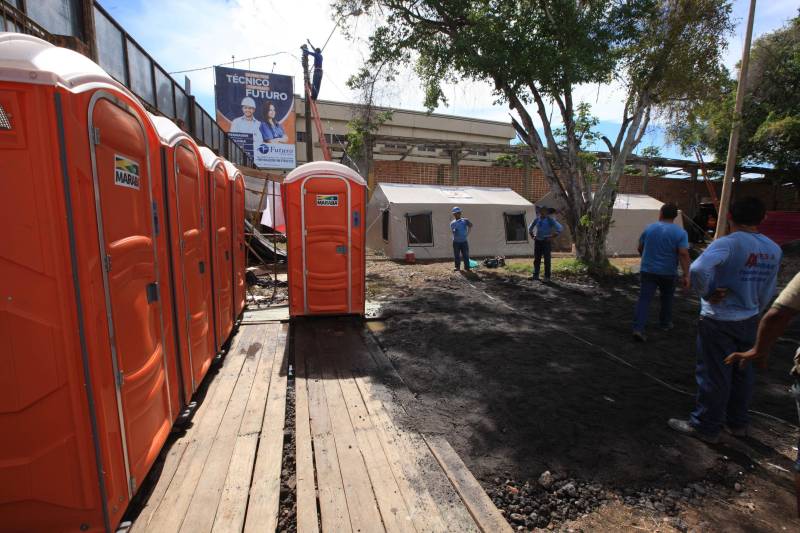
x=287 y=509
x=523 y=377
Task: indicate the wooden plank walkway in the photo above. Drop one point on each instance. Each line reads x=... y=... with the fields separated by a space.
x=360 y=465
x=224 y=473
x=357 y=449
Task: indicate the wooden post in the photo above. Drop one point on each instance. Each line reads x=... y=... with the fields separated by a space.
x=733 y=145
x=307 y=101
x=454 y=158
x=89 y=35
x=693 y=192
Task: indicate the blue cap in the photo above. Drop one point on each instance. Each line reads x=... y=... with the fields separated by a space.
x=456 y=210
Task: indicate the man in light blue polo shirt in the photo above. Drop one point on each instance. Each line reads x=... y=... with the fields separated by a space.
x=736 y=278
x=460 y=229
x=543 y=229
x=662 y=245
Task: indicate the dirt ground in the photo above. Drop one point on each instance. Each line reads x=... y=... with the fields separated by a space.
x=524 y=378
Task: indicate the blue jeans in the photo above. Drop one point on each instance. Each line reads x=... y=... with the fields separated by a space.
x=666 y=288
x=542 y=249
x=461 y=249
x=723 y=391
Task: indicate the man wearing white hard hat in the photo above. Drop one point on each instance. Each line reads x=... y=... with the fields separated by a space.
x=248 y=124
x=460 y=228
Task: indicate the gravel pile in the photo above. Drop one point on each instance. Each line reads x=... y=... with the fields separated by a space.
x=554 y=498
x=544 y=503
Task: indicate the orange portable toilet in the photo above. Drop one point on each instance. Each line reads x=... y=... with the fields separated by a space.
x=190 y=267
x=239 y=248
x=325 y=204
x=85 y=403
x=219 y=199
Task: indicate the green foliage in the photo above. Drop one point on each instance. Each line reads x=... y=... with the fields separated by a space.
x=534 y=54
x=509 y=161
x=770 y=119
x=359 y=129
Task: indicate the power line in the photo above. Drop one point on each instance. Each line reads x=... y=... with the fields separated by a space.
x=231 y=62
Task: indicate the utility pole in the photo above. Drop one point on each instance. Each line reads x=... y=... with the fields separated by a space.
x=733 y=145
x=306 y=99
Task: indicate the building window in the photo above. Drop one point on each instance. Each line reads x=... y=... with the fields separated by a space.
x=516 y=229
x=301 y=136
x=395 y=146
x=385 y=226
x=426 y=148
x=333 y=138
x=480 y=153
x=420 y=229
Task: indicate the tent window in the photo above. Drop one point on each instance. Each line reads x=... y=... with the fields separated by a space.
x=516 y=229
x=385 y=226
x=420 y=229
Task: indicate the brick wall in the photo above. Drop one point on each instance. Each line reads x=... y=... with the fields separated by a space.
x=531 y=184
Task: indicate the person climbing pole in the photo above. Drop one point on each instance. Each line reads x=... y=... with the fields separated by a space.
x=316 y=79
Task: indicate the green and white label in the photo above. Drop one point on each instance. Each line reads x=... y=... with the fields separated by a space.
x=328 y=200
x=126 y=172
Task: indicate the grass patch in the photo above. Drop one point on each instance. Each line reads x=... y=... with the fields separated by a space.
x=568 y=267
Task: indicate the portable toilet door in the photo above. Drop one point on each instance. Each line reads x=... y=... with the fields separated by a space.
x=84 y=395
x=187 y=194
x=239 y=248
x=221 y=244
x=325 y=204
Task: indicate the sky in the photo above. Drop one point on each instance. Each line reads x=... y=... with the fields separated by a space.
x=193 y=34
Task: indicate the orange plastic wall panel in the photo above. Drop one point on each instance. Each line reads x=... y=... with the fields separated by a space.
x=221 y=250
x=124 y=154
x=239 y=250
x=191 y=262
x=48 y=472
x=325 y=232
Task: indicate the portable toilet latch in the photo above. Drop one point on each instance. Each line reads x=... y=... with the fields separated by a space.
x=120 y=378
x=107 y=262
x=95 y=132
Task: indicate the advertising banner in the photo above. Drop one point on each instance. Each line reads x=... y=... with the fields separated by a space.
x=257 y=111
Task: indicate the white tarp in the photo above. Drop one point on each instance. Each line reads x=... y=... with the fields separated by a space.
x=632 y=213
x=485 y=207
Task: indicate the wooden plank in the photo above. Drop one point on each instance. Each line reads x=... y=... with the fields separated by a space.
x=262 y=508
x=395 y=514
x=206 y=498
x=172 y=508
x=177 y=450
x=307 y=518
x=233 y=502
x=334 y=514
x=363 y=509
x=433 y=502
x=480 y=506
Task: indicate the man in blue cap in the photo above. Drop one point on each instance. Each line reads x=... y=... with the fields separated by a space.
x=460 y=228
x=543 y=229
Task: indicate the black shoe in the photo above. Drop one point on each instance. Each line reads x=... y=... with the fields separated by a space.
x=639 y=336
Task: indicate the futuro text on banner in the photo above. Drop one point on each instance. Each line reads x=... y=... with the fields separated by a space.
x=257 y=111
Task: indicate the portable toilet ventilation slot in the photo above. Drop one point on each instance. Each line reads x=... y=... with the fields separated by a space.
x=5 y=120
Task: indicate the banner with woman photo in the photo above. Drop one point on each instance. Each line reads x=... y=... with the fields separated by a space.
x=257 y=111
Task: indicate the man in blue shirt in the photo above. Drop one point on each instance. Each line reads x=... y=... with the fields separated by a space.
x=543 y=229
x=460 y=228
x=662 y=245
x=736 y=278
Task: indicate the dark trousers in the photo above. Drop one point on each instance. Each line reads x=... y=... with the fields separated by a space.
x=723 y=391
x=542 y=249
x=461 y=249
x=666 y=288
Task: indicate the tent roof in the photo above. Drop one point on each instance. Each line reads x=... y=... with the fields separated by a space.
x=623 y=201
x=439 y=194
x=636 y=201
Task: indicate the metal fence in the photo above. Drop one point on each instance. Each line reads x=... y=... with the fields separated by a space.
x=124 y=59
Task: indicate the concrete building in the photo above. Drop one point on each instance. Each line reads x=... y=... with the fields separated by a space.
x=406 y=126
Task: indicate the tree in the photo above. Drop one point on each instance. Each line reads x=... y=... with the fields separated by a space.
x=367 y=117
x=770 y=131
x=534 y=54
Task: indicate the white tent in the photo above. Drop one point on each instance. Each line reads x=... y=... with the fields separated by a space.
x=632 y=213
x=418 y=217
